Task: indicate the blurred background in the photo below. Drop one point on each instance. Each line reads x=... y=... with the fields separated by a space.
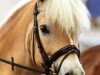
x=92 y=38
x=87 y=39
x=6 y=6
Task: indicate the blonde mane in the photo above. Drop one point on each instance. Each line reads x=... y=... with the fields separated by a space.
x=71 y=15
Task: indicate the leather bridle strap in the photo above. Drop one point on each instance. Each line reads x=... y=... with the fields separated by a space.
x=37 y=70
x=44 y=55
x=74 y=50
x=65 y=50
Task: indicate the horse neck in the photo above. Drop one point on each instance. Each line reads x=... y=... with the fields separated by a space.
x=13 y=34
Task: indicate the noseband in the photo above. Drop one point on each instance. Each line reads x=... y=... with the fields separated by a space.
x=47 y=62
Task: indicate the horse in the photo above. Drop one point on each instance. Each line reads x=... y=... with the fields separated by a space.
x=91 y=61
x=43 y=34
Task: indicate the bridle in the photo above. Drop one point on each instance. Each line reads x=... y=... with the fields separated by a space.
x=47 y=61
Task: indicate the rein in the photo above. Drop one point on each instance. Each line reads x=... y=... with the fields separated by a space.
x=38 y=70
x=47 y=62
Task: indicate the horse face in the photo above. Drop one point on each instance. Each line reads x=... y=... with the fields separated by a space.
x=53 y=38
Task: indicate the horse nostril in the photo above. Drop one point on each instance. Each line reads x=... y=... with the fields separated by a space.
x=68 y=74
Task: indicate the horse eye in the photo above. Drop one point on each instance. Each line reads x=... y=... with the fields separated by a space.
x=44 y=29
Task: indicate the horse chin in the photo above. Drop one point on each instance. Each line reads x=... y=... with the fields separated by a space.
x=70 y=66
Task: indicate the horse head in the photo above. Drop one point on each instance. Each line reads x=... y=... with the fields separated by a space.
x=58 y=24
